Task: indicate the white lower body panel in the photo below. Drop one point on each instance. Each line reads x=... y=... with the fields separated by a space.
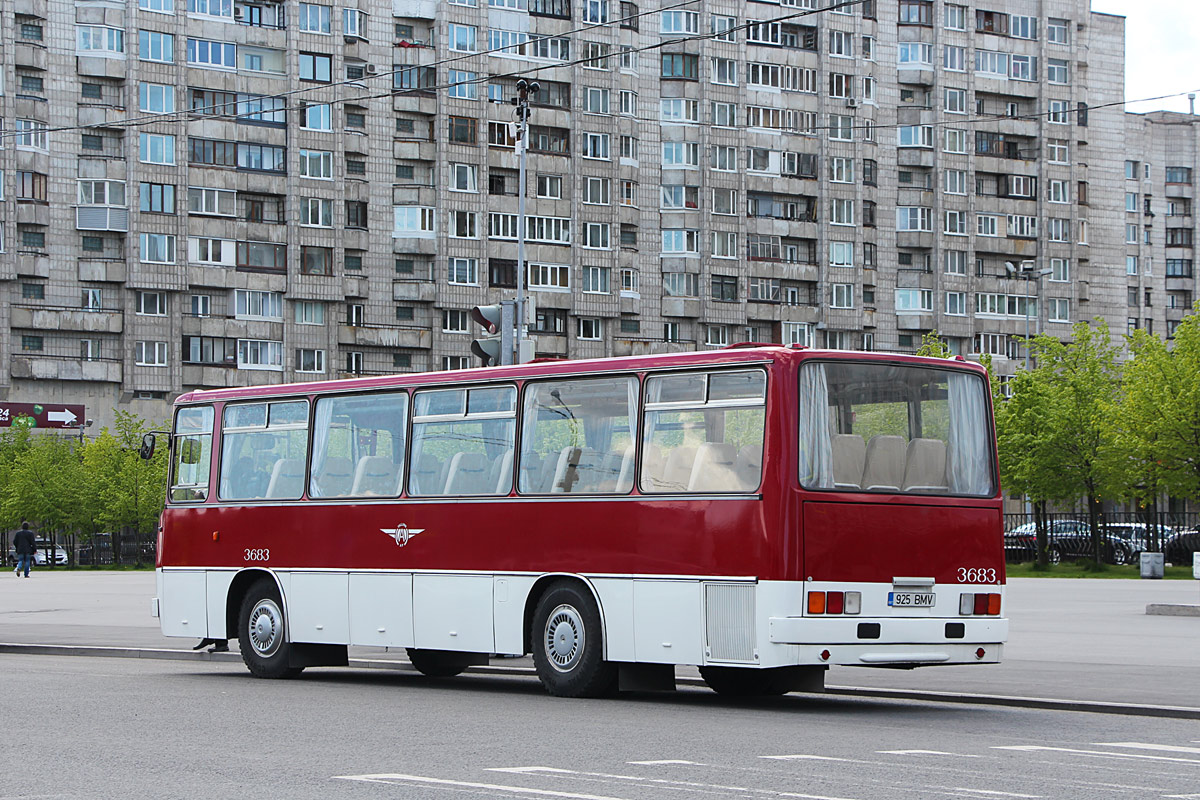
x=650 y=619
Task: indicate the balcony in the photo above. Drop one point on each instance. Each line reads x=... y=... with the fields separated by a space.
x=414 y=291
x=65 y=368
x=102 y=218
x=681 y=306
x=68 y=319
x=384 y=336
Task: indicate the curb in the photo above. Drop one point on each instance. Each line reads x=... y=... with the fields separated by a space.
x=1089 y=706
x=1172 y=610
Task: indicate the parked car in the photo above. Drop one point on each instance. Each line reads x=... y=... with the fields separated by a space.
x=1020 y=543
x=42 y=556
x=1179 y=546
x=98 y=549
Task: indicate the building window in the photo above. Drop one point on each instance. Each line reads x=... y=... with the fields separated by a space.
x=842 y=295
x=463 y=130
x=150 y=354
x=356 y=214
x=463 y=272
x=315 y=67
x=589 y=329
x=724 y=288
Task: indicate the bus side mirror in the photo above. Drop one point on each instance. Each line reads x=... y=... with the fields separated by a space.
x=146 y=451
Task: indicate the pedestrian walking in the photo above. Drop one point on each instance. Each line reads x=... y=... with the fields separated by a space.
x=26 y=545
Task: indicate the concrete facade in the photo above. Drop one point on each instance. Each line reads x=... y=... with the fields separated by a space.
x=234 y=193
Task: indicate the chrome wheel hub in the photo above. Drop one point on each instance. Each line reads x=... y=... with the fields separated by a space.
x=564 y=638
x=266 y=628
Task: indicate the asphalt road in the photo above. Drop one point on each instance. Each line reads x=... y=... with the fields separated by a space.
x=107 y=727
x=1069 y=639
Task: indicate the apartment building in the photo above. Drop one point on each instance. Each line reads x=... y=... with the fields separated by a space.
x=1160 y=224
x=206 y=193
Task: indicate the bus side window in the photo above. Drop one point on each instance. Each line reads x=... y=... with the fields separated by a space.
x=192 y=454
x=263 y=450
x=358 y=445
x=576 y=436
x=463 y=441
x=704 y=432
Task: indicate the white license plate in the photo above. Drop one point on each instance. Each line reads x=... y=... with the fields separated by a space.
x=910 y=599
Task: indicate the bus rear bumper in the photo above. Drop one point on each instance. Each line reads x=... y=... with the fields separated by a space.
x=884 y=641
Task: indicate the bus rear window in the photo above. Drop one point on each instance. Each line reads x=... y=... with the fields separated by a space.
x=192 y=454
x=704 y=432
x=891 y=428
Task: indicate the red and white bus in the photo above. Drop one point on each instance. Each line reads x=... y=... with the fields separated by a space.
x=760 y=512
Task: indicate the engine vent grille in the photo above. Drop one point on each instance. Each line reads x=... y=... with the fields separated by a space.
x=729 y=622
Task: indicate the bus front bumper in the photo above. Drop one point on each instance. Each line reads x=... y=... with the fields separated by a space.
x=893 y=641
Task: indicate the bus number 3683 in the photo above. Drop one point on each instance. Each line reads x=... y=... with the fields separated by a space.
x=258 y=555
x=972 y=575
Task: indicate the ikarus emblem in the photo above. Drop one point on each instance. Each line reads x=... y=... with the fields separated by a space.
x=402 y=533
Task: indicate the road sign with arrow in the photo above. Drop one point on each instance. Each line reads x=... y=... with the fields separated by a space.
x=41 y=415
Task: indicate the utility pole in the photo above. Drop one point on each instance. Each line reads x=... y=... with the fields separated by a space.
x=521 y=101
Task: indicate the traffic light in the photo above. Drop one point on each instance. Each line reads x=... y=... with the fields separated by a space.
x=497 y=320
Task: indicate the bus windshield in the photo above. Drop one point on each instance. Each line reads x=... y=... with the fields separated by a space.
x=877 y=427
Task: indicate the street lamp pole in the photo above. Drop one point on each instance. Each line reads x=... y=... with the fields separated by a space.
x=1027 y=273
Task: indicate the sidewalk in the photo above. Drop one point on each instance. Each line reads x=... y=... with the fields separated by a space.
x=1069 y=639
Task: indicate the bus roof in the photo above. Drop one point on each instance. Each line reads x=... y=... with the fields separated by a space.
x=734 y=354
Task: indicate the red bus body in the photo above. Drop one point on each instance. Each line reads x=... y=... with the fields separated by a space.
x=462 y=573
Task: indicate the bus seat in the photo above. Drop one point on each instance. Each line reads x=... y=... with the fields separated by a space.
x=625 y=473
x=677 y=471
x=545 y=478
x=885 y=463
x=427 y=475
x=653 y=465
x=713 y=469
x=468 y=474
x=501 y=476
x=529 y=473
x=849 y=460
x=287 y=478
x=565 y=474
x=749 y=467
x=335 y=479
x=925 y=466
x=608 y=470
x=375 y=475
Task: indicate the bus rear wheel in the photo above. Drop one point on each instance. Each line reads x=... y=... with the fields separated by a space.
x=262 y=632
x=744 y=682
x=568 y=645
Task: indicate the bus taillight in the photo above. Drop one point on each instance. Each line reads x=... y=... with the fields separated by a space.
x=834 y=602
x=980 y=604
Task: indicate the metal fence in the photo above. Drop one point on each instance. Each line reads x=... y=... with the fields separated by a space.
x=101 y=549
x=1124 y=536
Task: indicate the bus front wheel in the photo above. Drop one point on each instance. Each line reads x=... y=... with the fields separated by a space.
x=262 y=633
x=568 y=646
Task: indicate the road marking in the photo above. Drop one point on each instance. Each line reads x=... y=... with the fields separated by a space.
x=666 y=761
x=1166 y=748
x=1182 y=796
x=1032 y=747
x=663 y=782
x=924 y=753
x=491 y=787
x=991 y=793
x=803 y=757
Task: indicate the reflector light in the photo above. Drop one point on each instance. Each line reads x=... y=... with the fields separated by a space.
x=853 y=602
x=993 y=604
x=835 y=603
x=824 y=655
x=816 y=602
x=966 y=603
x=981 y=603
x=980 y=653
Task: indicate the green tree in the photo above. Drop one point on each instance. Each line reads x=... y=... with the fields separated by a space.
x=1079 y=380
x=130 y=491
x=1158 y=419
